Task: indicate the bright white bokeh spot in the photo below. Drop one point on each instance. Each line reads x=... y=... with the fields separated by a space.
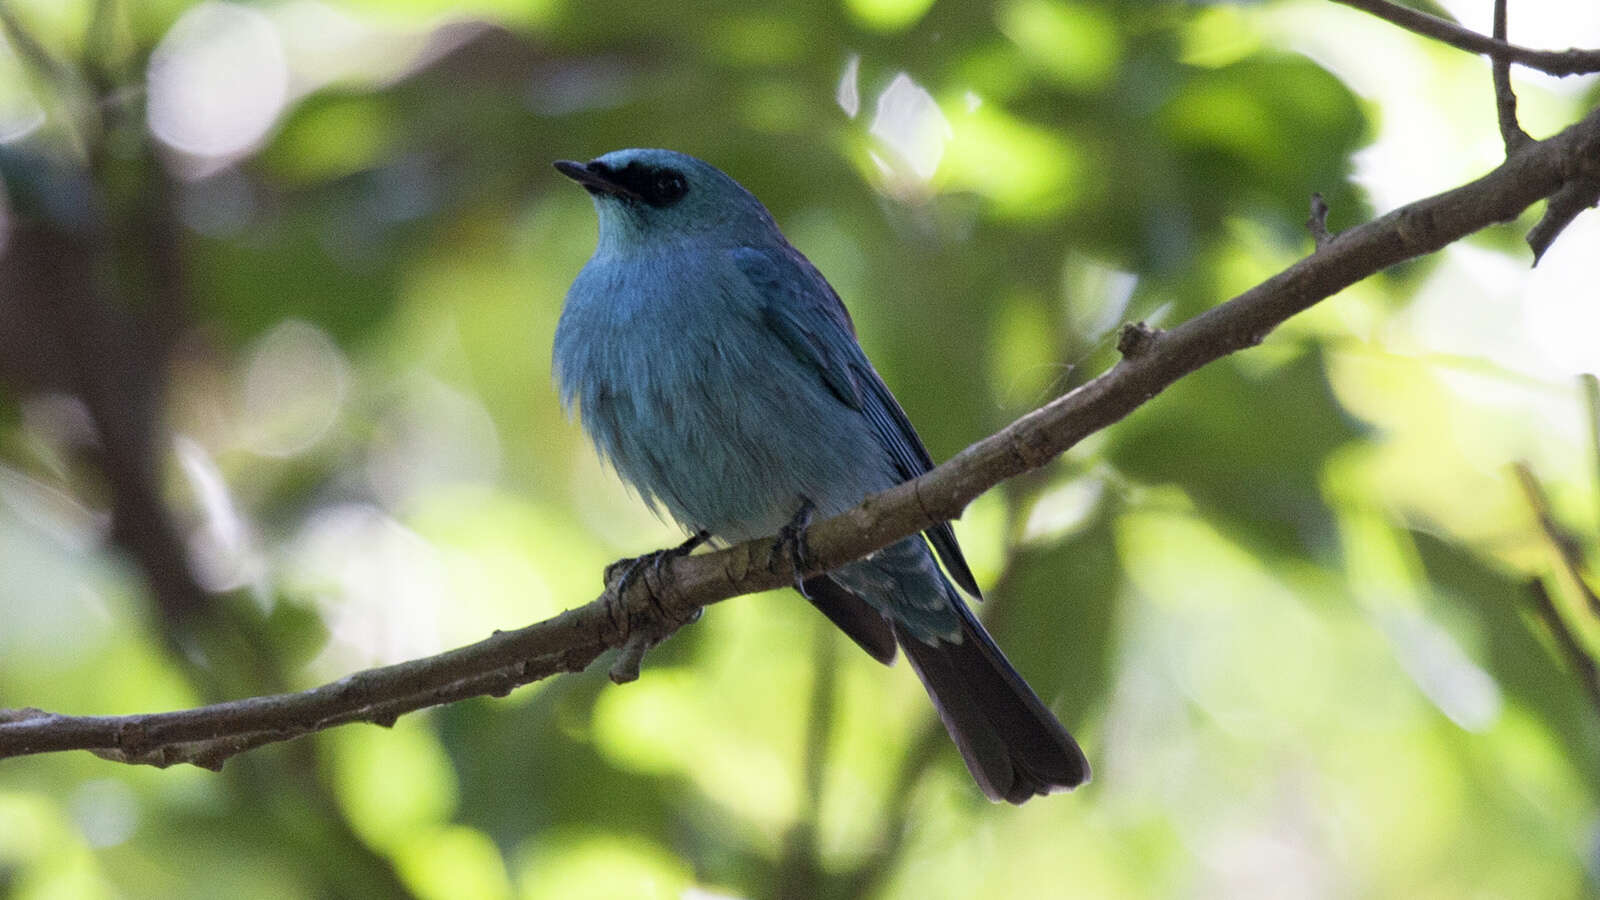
x=17 y=123
x=106 y=810
x=1096 y=295
x=1062 y=510
x=20 y=112
x=1557 y=302
x=52 y=513
x=293 y=388
x=910 y=125
x=325 y=44
x=217 y=81
x=53 y=609
x=1281 y=850
x=1462 y=690
x=696 y=892
x=1487 y=304
x=433 y=436
x=222 y=551
x=849 y=93
x=377 y=584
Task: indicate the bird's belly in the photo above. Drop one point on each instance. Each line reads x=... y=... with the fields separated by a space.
x=737 y=443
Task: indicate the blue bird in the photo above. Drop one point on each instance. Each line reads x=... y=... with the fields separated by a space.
x=719 y=374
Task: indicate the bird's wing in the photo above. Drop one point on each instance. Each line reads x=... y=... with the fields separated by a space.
x=803 y=310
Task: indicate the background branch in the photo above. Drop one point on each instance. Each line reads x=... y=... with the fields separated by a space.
x=1591 y=408
x=1569 y=551
x=570 y=641
x=1568 y=548
x=1554 y=62
x=1582 y=663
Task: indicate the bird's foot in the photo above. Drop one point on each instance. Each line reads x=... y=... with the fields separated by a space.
x=621 y=575
x=791 y=544
x=634 y=566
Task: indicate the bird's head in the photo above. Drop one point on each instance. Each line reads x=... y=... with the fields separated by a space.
x=649 y=198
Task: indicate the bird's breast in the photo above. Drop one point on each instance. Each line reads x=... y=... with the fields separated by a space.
x=698 y=404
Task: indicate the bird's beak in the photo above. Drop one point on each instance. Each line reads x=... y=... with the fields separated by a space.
x=595 y=177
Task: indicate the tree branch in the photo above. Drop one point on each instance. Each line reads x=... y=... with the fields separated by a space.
x=1554 y=62
x=1577 y=195
x=572 y=640
x=1505 y=99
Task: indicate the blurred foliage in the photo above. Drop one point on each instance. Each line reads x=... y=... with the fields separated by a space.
x=1284 y=604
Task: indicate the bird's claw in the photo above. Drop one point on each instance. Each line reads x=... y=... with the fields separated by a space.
x=791 y=544
x=640 y=639
x=632 y=566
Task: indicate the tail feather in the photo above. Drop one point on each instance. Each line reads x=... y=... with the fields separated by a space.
x=1013 y=745
x=865 y=625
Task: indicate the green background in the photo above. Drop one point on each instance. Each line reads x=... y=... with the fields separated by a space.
x=1284 y=605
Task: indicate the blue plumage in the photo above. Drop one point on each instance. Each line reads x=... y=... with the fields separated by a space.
x=717 y=371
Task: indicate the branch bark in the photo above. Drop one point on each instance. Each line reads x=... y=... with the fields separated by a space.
x=1505 y=99
x=571 y=641
x=1554 y=62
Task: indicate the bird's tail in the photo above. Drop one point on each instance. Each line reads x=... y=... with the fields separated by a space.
x=1013 y=745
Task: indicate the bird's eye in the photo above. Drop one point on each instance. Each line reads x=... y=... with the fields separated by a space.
x=669 y=187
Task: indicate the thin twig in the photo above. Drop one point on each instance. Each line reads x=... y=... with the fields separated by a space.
x=1317 y=224
x=1591 y=398
x=30 y=50
x=71 y=92
x=573 y=639
x=1568 y=548
x=1553 y=62
x=1505 y=100
x=1570 y=553
x=1582 y=663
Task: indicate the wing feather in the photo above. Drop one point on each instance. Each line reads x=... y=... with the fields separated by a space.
x=807 y=315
